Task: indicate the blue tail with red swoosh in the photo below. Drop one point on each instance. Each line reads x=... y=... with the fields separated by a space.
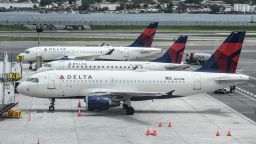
x=175 y=53
x=225 y=58
x=146 y=37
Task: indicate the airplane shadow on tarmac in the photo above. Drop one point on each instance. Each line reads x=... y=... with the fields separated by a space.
x=120 y=111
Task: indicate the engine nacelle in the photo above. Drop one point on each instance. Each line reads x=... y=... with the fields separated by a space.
x=67 y=58
x=100 y=103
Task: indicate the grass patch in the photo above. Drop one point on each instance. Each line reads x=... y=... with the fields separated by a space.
x=13 y=38
x=182 y=28
x=13 y=28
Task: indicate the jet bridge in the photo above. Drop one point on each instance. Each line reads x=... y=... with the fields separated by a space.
x=10 y=72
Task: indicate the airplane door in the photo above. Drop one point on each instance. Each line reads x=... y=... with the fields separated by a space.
x=61 y=65
x=197 y=82
x=51 y=81
x=112 y=82
x=126 y=54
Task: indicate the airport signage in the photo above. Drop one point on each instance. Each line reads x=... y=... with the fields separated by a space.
x=20 y=58
x=14 y=75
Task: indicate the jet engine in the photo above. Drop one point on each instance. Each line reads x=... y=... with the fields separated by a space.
x=67 y=58
x=100 y=103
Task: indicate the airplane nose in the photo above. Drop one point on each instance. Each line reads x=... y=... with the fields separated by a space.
x=19 y=87
x=16 y=85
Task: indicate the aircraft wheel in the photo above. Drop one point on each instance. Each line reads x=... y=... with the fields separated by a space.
x=130 y=111
x=51 y=108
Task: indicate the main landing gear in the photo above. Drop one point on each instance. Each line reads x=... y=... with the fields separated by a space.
x=52 y=103
x=127 y=106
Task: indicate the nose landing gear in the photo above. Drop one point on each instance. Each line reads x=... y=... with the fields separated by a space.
x=52 y=103
x=30 y=66
x=127 y=106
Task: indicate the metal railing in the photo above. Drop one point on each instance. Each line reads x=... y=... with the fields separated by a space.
x=162 y=23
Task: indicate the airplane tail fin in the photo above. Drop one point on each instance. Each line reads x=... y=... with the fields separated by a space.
x=225 y=58
x=175 y=53
x=146 y=37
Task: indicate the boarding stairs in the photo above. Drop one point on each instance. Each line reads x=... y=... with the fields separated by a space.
x=7 y=107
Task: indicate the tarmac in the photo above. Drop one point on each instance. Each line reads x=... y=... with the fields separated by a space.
x=194 y=119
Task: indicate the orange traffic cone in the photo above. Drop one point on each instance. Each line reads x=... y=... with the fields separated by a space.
x=78 y=113
x=154 y=132
x=160 y=124
x=229 y=132
x=79 y=104
x=218 y=133
x=169 y=124
x=148 y=132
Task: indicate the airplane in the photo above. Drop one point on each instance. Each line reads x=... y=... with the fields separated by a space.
x=171 y=60
x=138 y=49
x=102 y=90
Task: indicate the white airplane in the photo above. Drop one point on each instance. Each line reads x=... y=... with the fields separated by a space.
x=169 y=61
x=138 y=49
x=104 y=89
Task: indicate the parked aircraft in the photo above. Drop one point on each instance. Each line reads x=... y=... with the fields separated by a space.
x=138 y=49
x=171 y=60
x=104 y=89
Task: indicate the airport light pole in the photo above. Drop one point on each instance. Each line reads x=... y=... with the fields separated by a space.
x=39 y=28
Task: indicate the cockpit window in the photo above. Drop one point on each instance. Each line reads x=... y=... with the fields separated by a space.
x=47 y=65
x=26 y=51
x=34 y=80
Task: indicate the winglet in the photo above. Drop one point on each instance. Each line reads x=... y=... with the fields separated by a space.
x=175 y=53
x=225 y=58
x=146 y=37
x=110 y=52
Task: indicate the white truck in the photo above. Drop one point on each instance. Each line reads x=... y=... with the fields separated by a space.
x=197 y=58
x=225 y=90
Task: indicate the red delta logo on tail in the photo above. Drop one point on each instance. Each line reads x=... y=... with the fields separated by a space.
x=175 y=53
x=146 y=37
x=225 y=58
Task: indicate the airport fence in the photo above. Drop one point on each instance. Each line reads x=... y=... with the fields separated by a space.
x=131 y=23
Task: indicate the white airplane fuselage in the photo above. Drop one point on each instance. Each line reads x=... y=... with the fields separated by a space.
x=109 y=65
x=77 y=83
x=50 y=53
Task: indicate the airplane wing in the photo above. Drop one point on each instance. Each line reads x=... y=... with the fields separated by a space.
x=91 y=57
x=177 y=67
x=128 y=94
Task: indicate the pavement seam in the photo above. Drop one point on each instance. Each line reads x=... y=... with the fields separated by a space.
x=74 y=120
x=233 y=110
